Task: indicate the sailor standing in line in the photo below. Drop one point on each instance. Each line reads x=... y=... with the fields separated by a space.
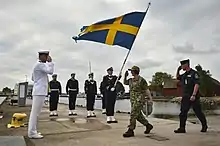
x=72 y=89
x=90 y=88
x=40 y=90
x=55 y=91
x=110 y=94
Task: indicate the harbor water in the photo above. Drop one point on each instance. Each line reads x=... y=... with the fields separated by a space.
x=160 y=108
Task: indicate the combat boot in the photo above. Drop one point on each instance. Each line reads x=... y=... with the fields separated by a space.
x=180 y=130
x=204 y=128
x=149 y=127
x=129 y=133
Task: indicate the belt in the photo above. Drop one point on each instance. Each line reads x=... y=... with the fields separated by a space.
x=54 y=90
x=72 y=89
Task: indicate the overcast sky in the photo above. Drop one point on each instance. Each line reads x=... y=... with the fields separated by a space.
x=172 y=30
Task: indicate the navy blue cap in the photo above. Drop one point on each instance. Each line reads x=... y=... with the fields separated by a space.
x=184 y=62
x=110 y=69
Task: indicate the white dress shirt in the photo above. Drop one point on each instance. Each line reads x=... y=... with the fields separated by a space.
x=40 y=78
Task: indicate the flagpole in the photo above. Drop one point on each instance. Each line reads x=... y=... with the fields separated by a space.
x=126 y=57
x=90 y=69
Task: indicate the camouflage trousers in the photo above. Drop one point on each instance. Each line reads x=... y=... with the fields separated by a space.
x=136 y=114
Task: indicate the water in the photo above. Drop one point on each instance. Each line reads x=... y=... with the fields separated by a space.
x=159 y=108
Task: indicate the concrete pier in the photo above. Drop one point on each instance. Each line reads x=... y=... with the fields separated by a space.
x=80 y=131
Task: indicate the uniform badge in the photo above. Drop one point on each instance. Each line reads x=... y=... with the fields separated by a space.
x=189 y=76
x=196 y=76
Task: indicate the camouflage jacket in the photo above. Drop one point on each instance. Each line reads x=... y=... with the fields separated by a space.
x=137 y=89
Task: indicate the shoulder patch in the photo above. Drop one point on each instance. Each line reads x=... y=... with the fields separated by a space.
x=196 y=76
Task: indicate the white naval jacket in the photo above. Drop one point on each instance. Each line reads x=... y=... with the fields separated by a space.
x=40 y=78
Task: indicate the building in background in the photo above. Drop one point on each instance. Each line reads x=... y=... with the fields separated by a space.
x=29 y=89
x=172 y=88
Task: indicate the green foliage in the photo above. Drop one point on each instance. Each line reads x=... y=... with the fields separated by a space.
x=206 y=103
x=206 y=82
x=159 y=78
x=6 y=90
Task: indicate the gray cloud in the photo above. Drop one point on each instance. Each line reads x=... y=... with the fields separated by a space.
x=190 y=49
x=145 y=64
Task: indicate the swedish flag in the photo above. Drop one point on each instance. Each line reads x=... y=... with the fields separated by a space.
x=120 y=31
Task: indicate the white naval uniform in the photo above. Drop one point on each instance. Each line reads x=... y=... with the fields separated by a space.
x=40 y=90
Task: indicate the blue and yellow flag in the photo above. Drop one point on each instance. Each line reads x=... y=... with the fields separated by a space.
x=120 y=31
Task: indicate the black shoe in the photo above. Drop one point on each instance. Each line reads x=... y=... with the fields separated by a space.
x=149 y=127
x=72 y=114
x=180 y=130
x=51 y=115
x=204 y=128
x=129 y=133
x=114 y=121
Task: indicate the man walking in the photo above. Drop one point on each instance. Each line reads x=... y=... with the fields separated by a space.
x=110 y=94
x=138 y=91
x=40 y=90
x=190 y=96
x=55 y=91
x=72 y=89
x=90 y=88
x=102 y=91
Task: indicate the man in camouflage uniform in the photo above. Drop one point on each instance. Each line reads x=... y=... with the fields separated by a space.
x=138 y=91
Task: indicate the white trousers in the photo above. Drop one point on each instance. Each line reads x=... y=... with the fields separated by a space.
x=37 y=104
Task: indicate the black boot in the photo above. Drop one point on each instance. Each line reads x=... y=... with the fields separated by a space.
x=204 y=128
x=129 y=133
x=180 y=130
x=149 y=127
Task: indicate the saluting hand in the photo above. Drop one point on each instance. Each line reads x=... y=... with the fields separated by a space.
x=49 y=59
x=126 y=73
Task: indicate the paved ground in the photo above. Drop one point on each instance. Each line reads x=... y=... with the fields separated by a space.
x=80 y=131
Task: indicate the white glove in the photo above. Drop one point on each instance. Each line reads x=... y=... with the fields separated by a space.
x=112 y=89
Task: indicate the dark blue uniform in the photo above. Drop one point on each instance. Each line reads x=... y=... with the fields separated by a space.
x=90 y=88
x=55 y=91
x=188 y=80
x=108 y=83
x=72 y=89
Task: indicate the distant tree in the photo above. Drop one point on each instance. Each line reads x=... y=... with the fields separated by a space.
x=206 y=82
x=6 y=90
x=159 y=78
